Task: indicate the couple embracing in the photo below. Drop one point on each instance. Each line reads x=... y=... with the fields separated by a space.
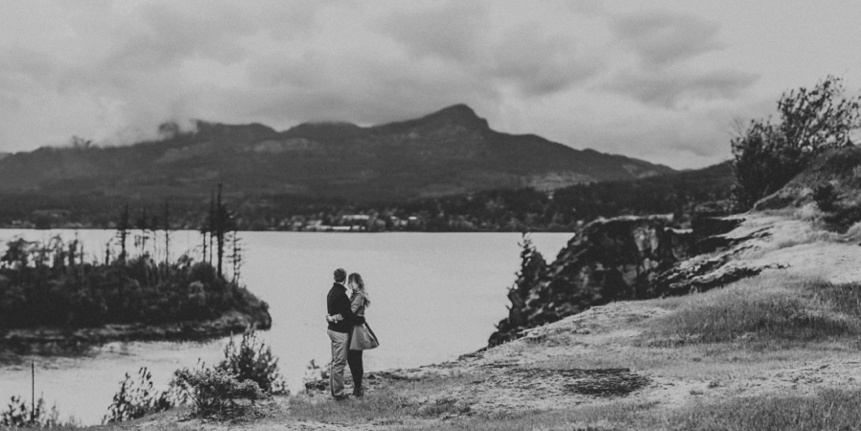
x=348 y=331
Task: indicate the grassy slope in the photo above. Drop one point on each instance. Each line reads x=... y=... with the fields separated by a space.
x=776 y=352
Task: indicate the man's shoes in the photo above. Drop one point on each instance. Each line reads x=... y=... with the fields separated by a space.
x=358 y=392
x=342 y=397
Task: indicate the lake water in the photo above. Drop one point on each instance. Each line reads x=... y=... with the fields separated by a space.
x=434 y=297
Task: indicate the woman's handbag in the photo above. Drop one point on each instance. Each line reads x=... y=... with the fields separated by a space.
x=363 y=338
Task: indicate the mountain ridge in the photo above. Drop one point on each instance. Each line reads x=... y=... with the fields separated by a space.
x=449 y=151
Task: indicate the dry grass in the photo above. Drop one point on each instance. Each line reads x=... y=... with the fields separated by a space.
x=831 y=409
x=714 y=361
x=772 y=311
x=424 y=398
x=618 y=415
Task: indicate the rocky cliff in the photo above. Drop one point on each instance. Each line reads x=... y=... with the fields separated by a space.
x=646 y=257
x=607 y=260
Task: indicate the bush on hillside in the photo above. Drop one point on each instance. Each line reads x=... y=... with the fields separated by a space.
x=248 y=371
x=769 y=154
x=825 y=197
x=19 y=415
x=253 y=360
x=136 y=399
x=214 y=392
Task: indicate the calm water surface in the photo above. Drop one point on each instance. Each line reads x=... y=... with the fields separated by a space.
x=434 y=297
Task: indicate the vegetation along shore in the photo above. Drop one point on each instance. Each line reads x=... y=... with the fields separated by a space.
x=52 y=295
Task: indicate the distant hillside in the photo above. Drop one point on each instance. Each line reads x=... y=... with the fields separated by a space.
x=447 y=152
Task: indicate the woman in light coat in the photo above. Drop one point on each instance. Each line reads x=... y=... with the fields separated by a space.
x=362 y=337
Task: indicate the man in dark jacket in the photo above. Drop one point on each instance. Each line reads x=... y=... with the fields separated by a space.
x=338 y=305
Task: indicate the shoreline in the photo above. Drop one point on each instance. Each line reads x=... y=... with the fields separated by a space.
x=44 y=338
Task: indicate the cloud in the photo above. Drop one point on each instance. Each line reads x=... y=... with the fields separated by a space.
x=522 y=54
x=114 y=71
x=539 y=64
x=662 y=45
x=373 y=89
x=662 y=38
x=449 y=30
x=681 y=89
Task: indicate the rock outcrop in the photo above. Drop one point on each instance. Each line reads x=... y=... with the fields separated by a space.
x=607 y=260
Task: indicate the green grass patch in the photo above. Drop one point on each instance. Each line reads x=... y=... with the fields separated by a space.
x=831 y=409
x=768 y=311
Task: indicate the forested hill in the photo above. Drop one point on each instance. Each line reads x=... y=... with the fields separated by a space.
x=451 y=151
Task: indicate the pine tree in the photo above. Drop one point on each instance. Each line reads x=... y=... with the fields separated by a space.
x=532 y=269
x=123 y=231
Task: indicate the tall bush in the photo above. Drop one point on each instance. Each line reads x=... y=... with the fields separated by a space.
x=214 y=392
x=136 y=399
x=19 y=415
x=253 y=360
x=768 y=154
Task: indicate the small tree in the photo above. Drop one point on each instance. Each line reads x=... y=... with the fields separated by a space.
x=532 y=269
x=166 y=221
x=769 y=154
x=825 y=197
x=123 y=231
x=135 y=399
x=217 y=226
x=253 y=360
x=236 y=254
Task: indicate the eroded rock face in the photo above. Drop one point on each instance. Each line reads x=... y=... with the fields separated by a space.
x=607 y=260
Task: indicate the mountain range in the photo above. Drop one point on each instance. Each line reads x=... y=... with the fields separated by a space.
x=450 y=151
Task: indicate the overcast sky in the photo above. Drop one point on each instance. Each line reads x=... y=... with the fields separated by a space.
x=658 y=80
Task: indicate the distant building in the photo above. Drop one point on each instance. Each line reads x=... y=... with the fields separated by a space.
x=354 y=218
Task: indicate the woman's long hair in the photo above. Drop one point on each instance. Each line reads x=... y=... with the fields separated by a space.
x=356 y=279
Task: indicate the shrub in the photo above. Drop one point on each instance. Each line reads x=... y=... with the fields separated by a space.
x=825 y=197
x=19 y=415
x=252 y=360
x=768 y=155
x=137 y=399
x=249 y=371
x=214 y=391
